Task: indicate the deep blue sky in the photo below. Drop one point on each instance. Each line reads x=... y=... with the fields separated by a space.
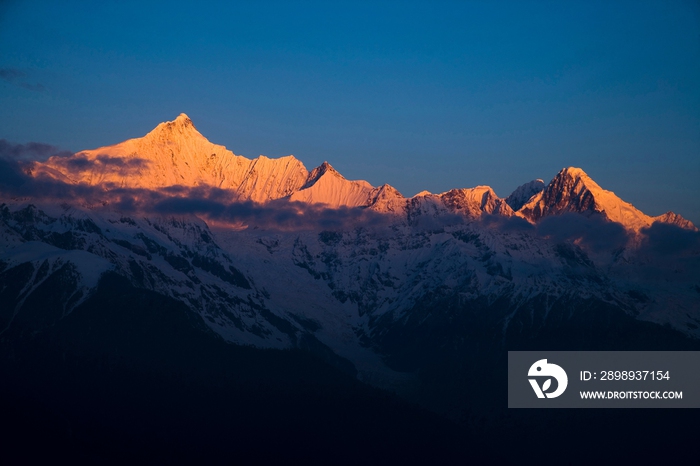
x=418 y=95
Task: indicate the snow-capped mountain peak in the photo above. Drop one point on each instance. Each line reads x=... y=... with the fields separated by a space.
x=172 y=154
x=572 y=190
x=475 y=201
x=675 y=219
x=325 y=185
x=524 y=193
x=387 y=199
x=178 y=134
x=422 y=194
x=180 y=124
x=319 y=171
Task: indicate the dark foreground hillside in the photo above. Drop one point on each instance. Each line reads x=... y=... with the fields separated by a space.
x=132 y=376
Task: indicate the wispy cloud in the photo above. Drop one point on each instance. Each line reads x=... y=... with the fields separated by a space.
x=102 y=164
x=11 y=74
x=29 y=151
x=19 y=78
x=666 y=239
x=591 y=232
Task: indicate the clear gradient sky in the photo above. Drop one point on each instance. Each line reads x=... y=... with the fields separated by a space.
x=420 y=95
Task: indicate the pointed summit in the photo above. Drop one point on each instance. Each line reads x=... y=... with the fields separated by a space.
x=387 y=199
x=318 y=172
x=173 y=153
x=183 y=121
x=524 y=193
x=573 y=191
x=475 y=201
x=570 y=191
x=325 y=185
x=174 y=131
x=325 y=166
x=675 y=219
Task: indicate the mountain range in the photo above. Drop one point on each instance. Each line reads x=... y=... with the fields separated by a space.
x=168 y=260
x=407 y=294
x=363 y=258
x=175 y=154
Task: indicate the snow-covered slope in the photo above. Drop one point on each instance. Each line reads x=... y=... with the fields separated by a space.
x=267 y=179
x=173 y=256
x=346 y=290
